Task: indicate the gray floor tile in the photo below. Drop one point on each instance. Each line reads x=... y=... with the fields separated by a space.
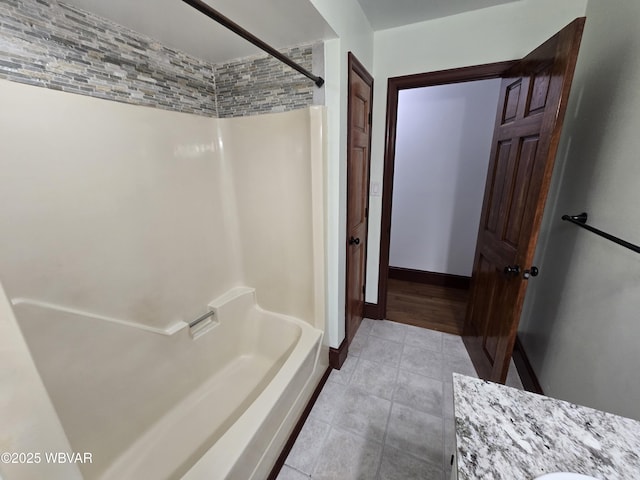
x=343 y=375
x=360 y=339
x=363 y=414
x=366 y=325
x=423 y=338
x=513 y=379
x=421 y=393
x=389 y=330
x=419 y=425
x=416 y=432
x=347 y=456
x=288 y=473
x=460 y=363
x=308 y=445
x=447 y=403
x=328 y=402
x=375 y=378
x=397 y=465
x=382 y=351
x=422 y=361
x=453 y=345
x=449 y=442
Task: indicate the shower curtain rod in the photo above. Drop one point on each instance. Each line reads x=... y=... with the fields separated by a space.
x=237 y=29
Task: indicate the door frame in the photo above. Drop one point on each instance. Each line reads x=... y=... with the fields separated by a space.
x=395 y=84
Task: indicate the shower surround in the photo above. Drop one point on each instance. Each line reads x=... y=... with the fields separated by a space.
x=121 y=225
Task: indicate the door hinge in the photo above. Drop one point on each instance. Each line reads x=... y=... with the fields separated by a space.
x=363 y=289
x=366 y=212
x=369 y=117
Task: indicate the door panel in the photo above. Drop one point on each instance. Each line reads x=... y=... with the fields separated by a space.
x=533 y=100
x=539 y=91
x=512 y=99
x=524 y=171
x=358 y=158
x=357 y=173
x=498 y=186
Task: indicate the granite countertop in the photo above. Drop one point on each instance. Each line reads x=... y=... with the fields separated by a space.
x=505 y=433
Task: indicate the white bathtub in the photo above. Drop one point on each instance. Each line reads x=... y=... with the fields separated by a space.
x=219 y=406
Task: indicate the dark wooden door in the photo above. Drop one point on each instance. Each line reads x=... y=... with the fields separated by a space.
x=360 y=97
x=528 y=124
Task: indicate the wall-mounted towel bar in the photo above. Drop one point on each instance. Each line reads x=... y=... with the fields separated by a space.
x=581 y=221
x=238 y=30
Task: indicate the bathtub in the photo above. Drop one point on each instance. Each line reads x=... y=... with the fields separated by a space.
x=214 y=401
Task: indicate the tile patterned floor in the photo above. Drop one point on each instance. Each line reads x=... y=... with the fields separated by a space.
x=388 y=413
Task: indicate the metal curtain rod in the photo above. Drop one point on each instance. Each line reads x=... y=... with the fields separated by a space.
x=581 y=221
x=237 y=29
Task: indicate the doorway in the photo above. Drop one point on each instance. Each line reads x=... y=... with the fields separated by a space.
x=395 y=86
x=533 y=98
x=443 y=145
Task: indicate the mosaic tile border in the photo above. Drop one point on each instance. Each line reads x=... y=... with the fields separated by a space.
x=55 y=45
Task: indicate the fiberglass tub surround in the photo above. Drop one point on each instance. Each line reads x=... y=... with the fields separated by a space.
x=121 y=225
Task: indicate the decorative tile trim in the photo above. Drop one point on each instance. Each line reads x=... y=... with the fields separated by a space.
x=54 y=45
x=263 y=84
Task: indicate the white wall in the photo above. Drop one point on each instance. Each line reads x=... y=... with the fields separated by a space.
x=504 y=32
x=580 y=326
x=355 y=35
x=442 y=154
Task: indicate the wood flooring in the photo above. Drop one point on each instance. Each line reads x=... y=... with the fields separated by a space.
x=428 y=306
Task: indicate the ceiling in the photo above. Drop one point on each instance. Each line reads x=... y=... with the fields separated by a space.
x=383 y=14
x=280 y=23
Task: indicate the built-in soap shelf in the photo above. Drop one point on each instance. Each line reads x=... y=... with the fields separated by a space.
x=203 y=324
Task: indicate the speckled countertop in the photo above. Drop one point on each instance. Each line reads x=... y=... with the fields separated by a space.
x=504 y=433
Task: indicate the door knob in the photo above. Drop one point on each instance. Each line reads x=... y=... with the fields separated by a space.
x=532 y=272
x=354 y=241
x=512 y=270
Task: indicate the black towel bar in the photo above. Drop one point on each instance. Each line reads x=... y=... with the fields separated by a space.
x=581 y=221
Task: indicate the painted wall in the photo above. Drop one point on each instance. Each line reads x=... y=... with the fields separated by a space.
x=580 y=323
x=442 y=155
x=355 y=35
x=504 y=32
x=51 y=44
